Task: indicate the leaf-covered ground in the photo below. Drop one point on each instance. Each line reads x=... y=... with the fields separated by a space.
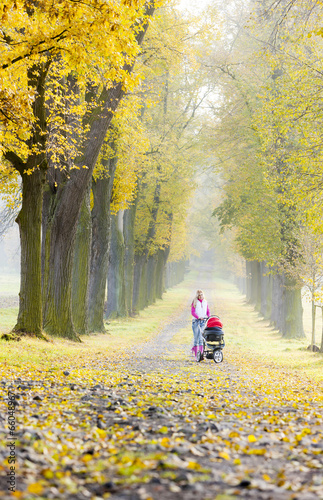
x=148 y=422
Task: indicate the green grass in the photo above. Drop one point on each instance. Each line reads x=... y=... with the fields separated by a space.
x=245 y=332
x=121 y=334
x=8 y=316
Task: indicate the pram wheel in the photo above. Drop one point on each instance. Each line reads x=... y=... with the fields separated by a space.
x=217 y=356
x=199 y=356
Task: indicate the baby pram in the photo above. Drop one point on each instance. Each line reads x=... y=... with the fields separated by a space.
x=213 y=340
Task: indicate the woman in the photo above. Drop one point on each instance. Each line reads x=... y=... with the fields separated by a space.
x=200 y=310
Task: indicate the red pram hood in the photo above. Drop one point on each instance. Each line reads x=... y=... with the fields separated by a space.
x=214 y=322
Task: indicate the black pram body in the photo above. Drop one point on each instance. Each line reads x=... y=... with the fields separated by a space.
x=213 y=336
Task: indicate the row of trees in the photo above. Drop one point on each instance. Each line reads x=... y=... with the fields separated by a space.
x=101 y=127
x=268 y=137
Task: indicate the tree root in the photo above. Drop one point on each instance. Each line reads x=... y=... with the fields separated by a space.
x=16 y=336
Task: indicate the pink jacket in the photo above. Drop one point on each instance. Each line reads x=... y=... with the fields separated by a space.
x=194 y=313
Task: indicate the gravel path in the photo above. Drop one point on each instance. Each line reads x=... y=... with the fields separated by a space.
x=150 y=356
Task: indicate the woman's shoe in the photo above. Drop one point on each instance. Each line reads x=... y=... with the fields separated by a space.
x=199 y=353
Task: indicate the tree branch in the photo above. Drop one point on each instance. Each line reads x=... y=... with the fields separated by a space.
x=15 y=161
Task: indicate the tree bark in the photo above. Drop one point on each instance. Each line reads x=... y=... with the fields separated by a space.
x=116 y=276
x=60 y=239
x=29 y=221
x=321 y=347
x=101 y=227
x=174 y=273
x=264 y=287
x=269 y=298
x=313 y=322
x=129 y=239
x=255 y=284
x=151 y=279
x=248 y=281
x=277 y=310
x=293 y=324
x=81 y=268
x=140 y=300
x=162 y=257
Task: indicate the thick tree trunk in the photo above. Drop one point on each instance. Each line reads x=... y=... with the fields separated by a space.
x=29 y=221
x=255 y=285
x=169 y=274
x=116 y=276
x=269 y=298
x=151 y=279
x=313 y=321
x=59 y=259
x=264 y=287
x=321 y=347
x=101 y=226
x=129 y=239
x=259 y=278
x=287 y=309
x=81 y=269
x=162 y=256
x=248 y=280
x=111 y=278
x=174 y=273
x=293 y=324
x=140 y=299
x=277 y=309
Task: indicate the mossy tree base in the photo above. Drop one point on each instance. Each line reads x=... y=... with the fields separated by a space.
x=16 y=335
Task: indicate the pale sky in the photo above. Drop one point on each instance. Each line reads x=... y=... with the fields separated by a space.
x=192 y=5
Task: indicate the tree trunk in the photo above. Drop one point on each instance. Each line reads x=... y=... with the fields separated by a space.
x=264 y=286
x=248 y=280
x=140 y=300
x=293 y=324
x=29 y=221
x=101 y=227
x=169 y=271
x=321 y=348
x=116 y=278
x=258 y=283
x=269 y=298
x=277 y=309
x=255 y=288
x=151 y=279
x=59 y=259
x=129 y=239
x=162 y=256
x=313 y=321
x=81 y=268
x=174 y=273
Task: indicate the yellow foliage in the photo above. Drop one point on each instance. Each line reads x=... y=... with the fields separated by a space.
x=73 y=46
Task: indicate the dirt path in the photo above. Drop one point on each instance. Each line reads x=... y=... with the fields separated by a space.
x=154 y=424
